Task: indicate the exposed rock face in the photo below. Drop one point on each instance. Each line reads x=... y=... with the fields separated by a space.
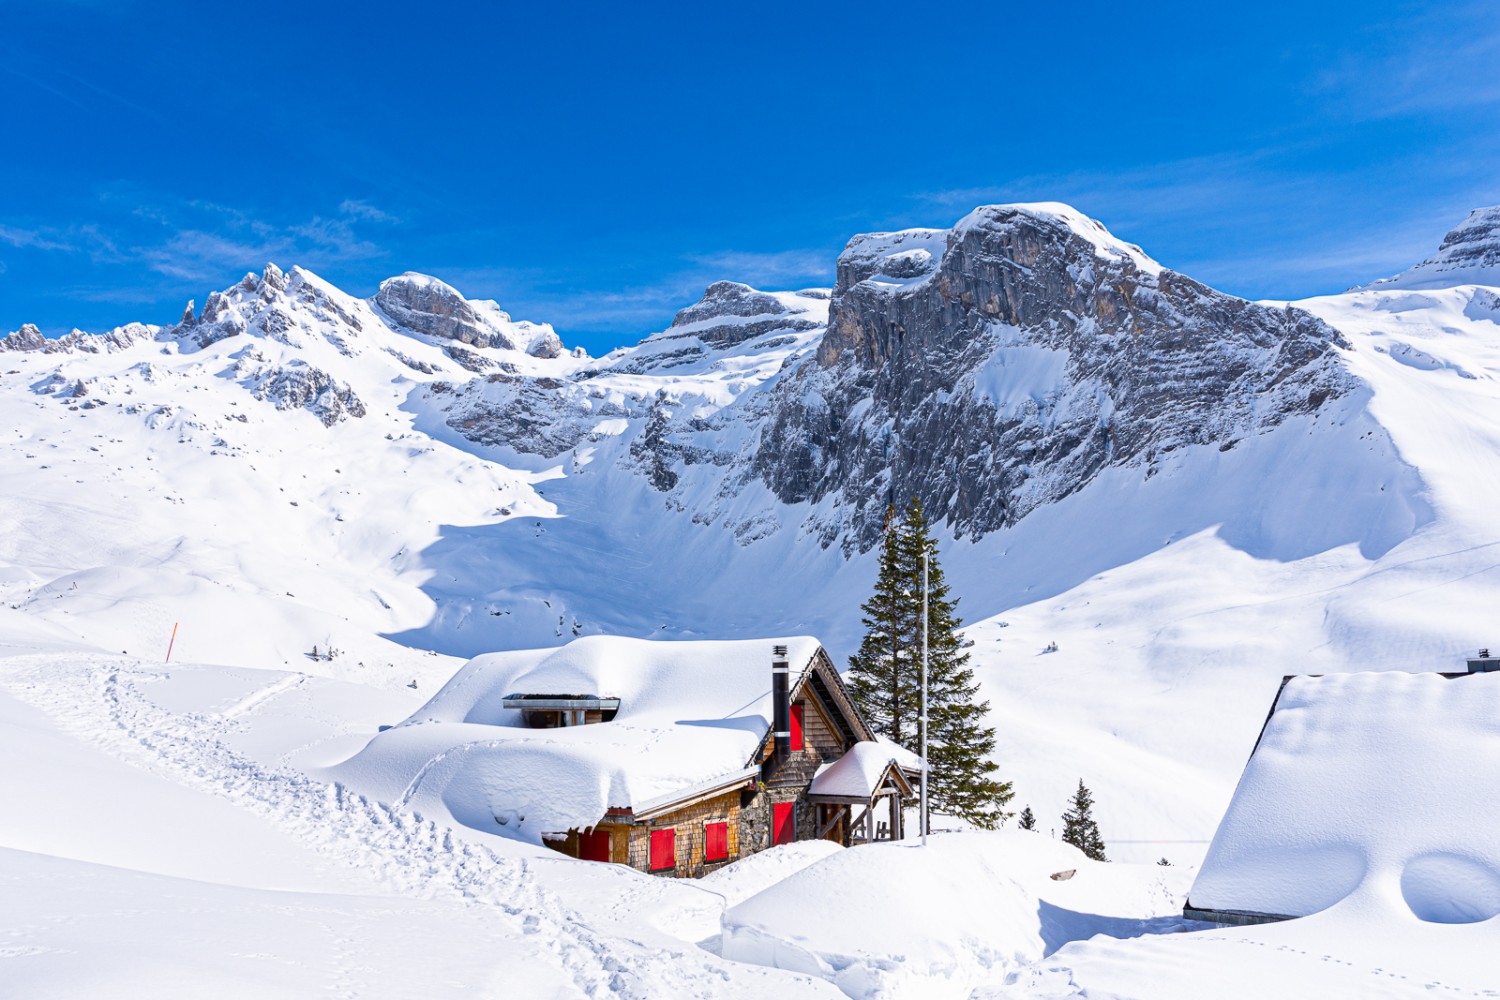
x=1001 y=365
x=429 y=306
x=546 y=344
x=1470 y=252
x=300 y=386
x=29 y=338
x=731 y=313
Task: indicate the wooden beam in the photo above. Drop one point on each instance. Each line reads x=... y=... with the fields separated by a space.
x=834 y=813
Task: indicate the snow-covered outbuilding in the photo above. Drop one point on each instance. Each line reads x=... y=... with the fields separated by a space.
x=1378 y=786
x=672 y=757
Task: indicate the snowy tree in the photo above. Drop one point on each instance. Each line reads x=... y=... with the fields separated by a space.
x=1028 y=819
x=885 y=675
x=1079 y=828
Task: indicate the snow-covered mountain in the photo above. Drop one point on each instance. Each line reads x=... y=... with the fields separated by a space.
x=1189 y=493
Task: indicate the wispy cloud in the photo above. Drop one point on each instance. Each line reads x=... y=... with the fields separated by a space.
x=1438 y=59
x=33 y=239
x=357 y=209
x=203 y=241
x=639 y=307
x=771 y=270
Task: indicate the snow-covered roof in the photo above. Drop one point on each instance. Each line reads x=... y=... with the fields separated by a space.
x=1367 y=784
x=858 y=773
x=691 y=714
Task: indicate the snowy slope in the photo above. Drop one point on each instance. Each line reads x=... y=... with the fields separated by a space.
x=294 y=467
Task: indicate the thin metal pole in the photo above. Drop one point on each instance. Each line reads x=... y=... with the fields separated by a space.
x=173 y=641
x=925 y=774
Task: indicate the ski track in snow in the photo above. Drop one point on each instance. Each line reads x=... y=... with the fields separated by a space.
x=257 y=698
x=102 y=705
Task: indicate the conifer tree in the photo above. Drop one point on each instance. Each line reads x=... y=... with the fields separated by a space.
x=885 y=676
x=1028 y=819
x=1079 y=828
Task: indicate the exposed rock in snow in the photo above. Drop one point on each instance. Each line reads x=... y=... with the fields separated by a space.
x=427 y=305
x=1469 y=254
x=300 y=386
x=999 y=366
x=28 y=338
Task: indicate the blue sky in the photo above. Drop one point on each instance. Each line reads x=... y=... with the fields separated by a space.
x=595 y=166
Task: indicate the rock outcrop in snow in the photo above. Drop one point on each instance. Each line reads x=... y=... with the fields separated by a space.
x=1469 y=254
x=1000 y=365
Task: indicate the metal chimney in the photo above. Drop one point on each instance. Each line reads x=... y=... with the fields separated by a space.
x=1483 y=663
x=781 y=702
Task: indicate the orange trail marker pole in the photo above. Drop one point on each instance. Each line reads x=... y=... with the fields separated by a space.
x=171 y=641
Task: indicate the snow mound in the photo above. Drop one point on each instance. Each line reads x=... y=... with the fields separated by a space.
x=753 y=874
x=1362 y=783
x=886 y=920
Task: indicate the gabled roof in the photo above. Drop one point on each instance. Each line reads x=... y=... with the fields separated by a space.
x=1362 y=784
x=691 y=715
x=862 y=771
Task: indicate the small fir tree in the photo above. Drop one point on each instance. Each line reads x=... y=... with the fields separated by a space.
x=1028 y=819
x=885 y=676
x=1079 y=828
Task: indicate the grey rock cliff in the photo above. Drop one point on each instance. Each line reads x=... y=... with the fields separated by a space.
x=1001 y=365
x=427 y=305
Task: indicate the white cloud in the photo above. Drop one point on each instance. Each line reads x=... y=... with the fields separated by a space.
x=358 y=209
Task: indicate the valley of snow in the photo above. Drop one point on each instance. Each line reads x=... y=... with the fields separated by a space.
x=304 y=485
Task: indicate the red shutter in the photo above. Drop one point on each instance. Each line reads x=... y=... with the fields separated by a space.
x=797 y=725
x=783 y=822
x=663 y=849
x=594 y=846
x=715 y=841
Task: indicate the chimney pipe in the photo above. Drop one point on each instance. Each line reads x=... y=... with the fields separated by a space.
x=1483 y=663
x=781 y=703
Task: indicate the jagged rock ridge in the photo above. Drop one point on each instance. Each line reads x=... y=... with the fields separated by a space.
x=1000 y=365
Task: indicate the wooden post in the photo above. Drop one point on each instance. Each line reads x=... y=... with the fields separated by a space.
x=172 y=641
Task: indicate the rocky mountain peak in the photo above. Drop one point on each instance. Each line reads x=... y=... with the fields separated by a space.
x=1014 y=356
x=1469 y=254
x=427 y=305
x=1475 y=242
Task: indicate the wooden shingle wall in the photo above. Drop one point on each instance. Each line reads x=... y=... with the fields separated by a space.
x=689 y=822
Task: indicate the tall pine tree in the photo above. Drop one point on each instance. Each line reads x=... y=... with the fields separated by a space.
x=1079 y=828
x=885 y=676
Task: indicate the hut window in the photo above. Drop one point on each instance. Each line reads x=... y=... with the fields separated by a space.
x=783 y=822
x=797 y=725
x=594 y=846
x=715 y=841
x=663 y=849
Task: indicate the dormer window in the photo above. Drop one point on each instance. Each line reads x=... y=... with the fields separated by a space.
x=555 y=711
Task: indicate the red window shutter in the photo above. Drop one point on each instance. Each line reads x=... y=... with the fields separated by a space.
x=783 y=822
x=594 y=846
x=663 y=849
x=715 y=841
x=797 y=725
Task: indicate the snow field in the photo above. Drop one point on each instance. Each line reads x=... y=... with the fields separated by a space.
x=102 y=705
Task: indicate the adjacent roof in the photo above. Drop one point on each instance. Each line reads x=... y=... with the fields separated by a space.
x=861 y=771
x=691 y=715
x=1365 y=784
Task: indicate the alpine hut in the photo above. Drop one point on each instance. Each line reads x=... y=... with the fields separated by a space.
x=671 y=757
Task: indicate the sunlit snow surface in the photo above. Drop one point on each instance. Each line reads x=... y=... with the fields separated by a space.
x=1370 y=784
x=171 y=830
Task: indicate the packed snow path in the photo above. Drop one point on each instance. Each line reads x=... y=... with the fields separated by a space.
x=101 y=702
